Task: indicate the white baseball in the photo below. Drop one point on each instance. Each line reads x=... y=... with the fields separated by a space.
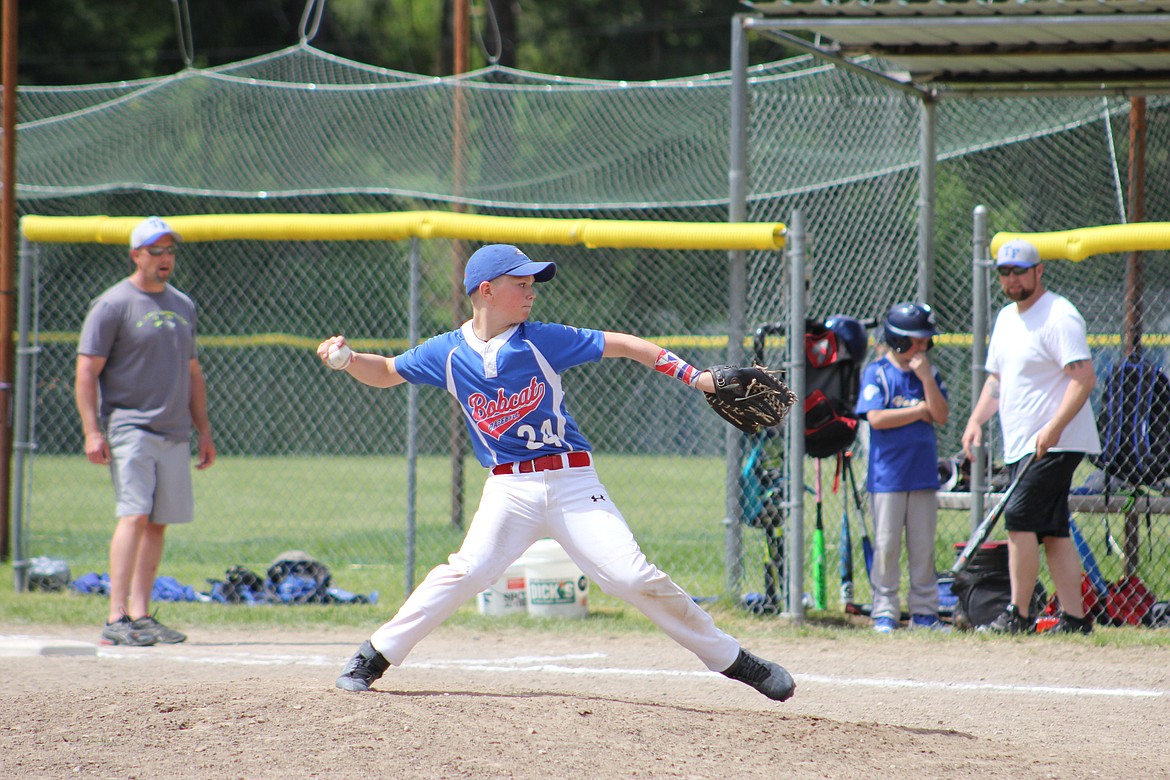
x=339 y=356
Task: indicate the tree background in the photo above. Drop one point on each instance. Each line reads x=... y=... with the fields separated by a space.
x=96 y=41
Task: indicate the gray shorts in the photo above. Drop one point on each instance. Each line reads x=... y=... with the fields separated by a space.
x=152 y=476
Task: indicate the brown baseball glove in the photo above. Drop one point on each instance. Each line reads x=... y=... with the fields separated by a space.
x=750 y=397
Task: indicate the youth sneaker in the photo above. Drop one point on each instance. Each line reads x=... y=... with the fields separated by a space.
x=1067 y=624
x=164 y=635
x=1009 y=622
x=768 y=678
x=929 y=622
x=123 y=632
x=885 y=624
x=366 y=666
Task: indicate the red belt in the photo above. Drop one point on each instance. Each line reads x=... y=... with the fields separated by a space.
x=567 y=460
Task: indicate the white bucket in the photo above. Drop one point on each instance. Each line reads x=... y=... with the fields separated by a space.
x=555 y=586
x=507 y=596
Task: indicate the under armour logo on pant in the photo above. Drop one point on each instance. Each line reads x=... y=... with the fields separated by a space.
x=597 y=498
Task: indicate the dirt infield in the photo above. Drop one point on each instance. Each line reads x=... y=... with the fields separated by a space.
x=535 y=705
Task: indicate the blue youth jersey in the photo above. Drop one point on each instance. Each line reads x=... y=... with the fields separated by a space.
x=903 y=458
x=509 y=388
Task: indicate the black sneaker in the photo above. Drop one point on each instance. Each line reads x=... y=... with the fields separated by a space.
x=366 y=666
x=1067 y=624
x=123 y=632
x=1009 y=622
x=768 y=678
x=164 y=635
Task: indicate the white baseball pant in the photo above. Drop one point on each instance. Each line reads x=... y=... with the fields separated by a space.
x=571 y=506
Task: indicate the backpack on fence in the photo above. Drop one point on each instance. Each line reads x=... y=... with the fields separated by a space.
x=833 y=353
x=1134 y=423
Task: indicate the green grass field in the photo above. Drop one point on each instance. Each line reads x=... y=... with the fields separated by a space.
x=350 y=513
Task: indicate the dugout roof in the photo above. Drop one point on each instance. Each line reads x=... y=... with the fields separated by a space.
x=985 y=46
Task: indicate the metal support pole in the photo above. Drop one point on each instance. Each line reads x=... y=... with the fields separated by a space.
x=736 y=303
x=22 y=431
x=794 y=533
x=412 y=427
x=926 y=197
x=980 y=267
x=1135 y=288
x=8 y=66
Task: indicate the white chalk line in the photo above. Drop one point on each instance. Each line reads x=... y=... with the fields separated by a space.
x=556 y=665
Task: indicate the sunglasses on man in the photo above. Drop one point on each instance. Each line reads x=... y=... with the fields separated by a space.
x=1013 y=270
x=158 y=251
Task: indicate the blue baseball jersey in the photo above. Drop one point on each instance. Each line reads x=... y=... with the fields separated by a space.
x=509 y=388
x=906 y=457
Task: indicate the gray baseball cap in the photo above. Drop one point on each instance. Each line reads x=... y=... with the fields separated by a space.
x=1018 y=252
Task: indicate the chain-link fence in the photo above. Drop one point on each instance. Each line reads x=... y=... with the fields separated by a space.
x=279 y=416
x=311 y=460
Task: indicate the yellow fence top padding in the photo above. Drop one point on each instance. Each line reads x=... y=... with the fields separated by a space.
x=398 y=226
x=1085 y=242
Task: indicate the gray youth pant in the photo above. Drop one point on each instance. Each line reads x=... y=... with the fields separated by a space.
x=914 y=515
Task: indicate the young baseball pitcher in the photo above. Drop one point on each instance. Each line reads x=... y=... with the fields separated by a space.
x=505 y=373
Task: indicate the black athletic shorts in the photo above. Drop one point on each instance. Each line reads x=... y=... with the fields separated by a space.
x=1040 y=502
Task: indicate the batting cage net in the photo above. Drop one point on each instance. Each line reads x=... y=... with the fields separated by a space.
x=313 y=461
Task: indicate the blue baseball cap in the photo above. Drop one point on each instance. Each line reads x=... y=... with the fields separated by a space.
x=1018 y=252
x=494 y=260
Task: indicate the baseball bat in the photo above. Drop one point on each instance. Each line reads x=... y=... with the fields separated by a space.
x=1111 y=545
x=846 y=555
x=983 y=530
x=1096 y=579
x=820 y=586
x=866 y=544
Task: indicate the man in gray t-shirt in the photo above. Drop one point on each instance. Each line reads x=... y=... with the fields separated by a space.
x=140 y=390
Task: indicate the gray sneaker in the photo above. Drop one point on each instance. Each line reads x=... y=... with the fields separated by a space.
x=768 y=678
x=1010 y=621
x=123 y=632
x=164 y=635
x=366 y=666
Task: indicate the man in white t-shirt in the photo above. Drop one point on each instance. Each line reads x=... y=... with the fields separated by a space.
x=1040 y=375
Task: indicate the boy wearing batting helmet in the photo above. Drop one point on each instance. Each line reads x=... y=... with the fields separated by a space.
x=505 y=373
x=903 y=397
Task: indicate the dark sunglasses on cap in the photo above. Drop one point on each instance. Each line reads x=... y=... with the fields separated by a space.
x=158 y=251
x=1013 y=270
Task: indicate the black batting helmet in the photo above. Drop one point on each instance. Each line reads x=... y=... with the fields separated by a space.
x=906 y=321
x=851 y=332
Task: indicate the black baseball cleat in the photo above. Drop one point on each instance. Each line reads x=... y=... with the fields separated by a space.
x=366 y=666
x=768 y=678
x=1010 y=621
x=1072 y=625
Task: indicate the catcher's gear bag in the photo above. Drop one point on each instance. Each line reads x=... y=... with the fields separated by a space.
x=750 y=397
x=832 y=380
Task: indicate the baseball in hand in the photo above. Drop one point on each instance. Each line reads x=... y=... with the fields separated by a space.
x=339 y=357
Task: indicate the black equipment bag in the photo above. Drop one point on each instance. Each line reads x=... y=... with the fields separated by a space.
x=984 y=589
